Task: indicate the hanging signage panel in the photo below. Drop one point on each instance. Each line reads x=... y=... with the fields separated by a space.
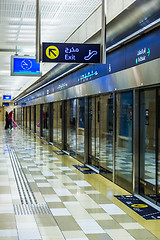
x=25 y=66
x=7 y=97
x=71 y=53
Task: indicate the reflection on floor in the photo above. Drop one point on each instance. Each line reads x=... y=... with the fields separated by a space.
x=42 y=196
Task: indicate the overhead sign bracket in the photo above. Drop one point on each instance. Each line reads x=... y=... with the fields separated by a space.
x=103 y=31
x=38 y=32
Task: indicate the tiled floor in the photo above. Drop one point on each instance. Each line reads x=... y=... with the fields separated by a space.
x=42 y=196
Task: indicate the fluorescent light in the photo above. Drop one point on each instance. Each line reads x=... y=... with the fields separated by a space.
x=27 y=31
x=25 y=39
x=14 y=19
x=11 y=39
x=29 y=20
x=4 y=72
x=13 y=26
x=23 y=35
x=10 y=35
x=28 y=26
x=12 y=31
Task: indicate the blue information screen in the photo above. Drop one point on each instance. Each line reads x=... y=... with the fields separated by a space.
x=25 y=66
x=5 y=104
x=7 y=97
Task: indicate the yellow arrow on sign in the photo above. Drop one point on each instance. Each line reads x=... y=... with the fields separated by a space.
x=52 y=52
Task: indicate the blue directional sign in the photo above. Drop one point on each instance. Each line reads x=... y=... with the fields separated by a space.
x=25 y=66
x=5 y=104
x=71 y=52
x=7 y=97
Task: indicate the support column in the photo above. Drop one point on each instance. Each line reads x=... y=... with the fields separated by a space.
x=51 y=122
x=86 y=132
x=38 y=32
x=103 y=31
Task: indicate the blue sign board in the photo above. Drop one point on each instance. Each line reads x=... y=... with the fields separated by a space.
x=7 y=97
x=5 y=104
x=71 y=52
x=25 y=66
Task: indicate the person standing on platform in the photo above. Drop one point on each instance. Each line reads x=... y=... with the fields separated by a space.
x=7 y=122
x=10 y=119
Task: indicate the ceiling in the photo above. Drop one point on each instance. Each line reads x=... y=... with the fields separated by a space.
x=59 y=18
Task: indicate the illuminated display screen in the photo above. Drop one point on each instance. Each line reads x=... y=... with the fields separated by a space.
x=25 y=66
x=5 y=104
x=7 y=97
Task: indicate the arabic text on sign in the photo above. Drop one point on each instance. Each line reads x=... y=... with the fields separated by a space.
x=71 y=50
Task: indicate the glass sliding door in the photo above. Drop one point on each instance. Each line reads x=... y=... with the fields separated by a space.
x=94 y=124
x=158 y=148
x=106 y=135
x=32 y=118
x=38 y=120
x=71 y=127
x=57 y=123
x=80 y=128
x=19 y=116
x=28 y=118
x=123 y=144
x=15 y=115
x=148 y=143
x=55 y=127
x=25 y=117
x=45 y=121
x=75 y=123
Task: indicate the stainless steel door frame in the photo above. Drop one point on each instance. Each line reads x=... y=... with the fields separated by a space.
x=114 y=134
x=136 y=143
x=86 y=132
x=95 y=113
x=51 y=122
x=34 y=118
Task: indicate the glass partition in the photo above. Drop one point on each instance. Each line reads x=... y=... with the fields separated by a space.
x=32 y=118
x=123 y=152
x=148 y=143
x=80 y=128
x=38 y=120
x=71 y=126
x=106 y=135
x=57 y=123
x=75 y=123
x=25 y=117
x=45 y=121
x=19 y=116
x=94 y=131
x=28 y=118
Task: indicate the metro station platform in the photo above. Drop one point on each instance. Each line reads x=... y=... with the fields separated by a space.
x=43 y=196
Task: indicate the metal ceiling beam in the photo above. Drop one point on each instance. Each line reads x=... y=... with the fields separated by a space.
x=9 y=50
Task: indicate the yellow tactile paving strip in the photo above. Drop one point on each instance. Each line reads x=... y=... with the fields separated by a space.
x=81 y=206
